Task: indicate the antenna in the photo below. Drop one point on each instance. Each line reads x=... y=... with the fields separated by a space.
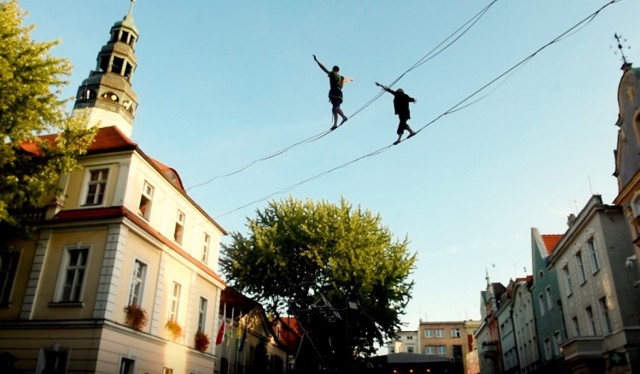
x=133 y=2
x=619 y=39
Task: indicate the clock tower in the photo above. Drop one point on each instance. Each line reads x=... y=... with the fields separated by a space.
x=106 y=97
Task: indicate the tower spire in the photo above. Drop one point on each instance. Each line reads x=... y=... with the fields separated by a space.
x=619 y=39
x=130 y=12
x=106 y=97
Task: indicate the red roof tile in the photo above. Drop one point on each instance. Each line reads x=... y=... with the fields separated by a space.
x=550 y=241
x=109 y=139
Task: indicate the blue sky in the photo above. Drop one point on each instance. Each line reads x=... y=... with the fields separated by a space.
x=221 y=84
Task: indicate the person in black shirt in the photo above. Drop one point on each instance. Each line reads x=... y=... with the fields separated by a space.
x=401 y=105
x=336 y=81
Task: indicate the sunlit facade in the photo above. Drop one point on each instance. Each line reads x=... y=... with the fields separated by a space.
x=121 y=275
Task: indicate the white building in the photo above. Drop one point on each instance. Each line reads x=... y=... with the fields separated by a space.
x=600 y=305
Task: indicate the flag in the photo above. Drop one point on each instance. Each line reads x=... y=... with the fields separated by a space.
x=229 y=332
x=220 y=337
x=244 y=338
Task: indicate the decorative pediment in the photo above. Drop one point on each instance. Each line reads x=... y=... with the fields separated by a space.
x=627 y=162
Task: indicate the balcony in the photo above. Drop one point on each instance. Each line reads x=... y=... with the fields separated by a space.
x=489 y=350
x=583 y=347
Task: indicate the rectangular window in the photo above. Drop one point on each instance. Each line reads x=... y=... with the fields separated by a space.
x=117 y=65
x=179 y=228
x=549 y=298
x=137 y=283
x=604 y=315
x=76 y=263
x=593 y=255
x=547 y=349
x=541 y=304
x=409 y=349
x=428 y=333
x=439 y=333
x=127 y=366
x=52 y=360
x=457 y=352
x=582 y=278
x=96 y=186
x=455 y=333
x=202 y=314
x=575 y=325
x=166 y=370
x=430 y=350
x=591 y=322
x=567 y=280
x=205 y=248
x=556 y=346
x=442 y=350
x=8 y=268
x=174 y=301
x=146 y=197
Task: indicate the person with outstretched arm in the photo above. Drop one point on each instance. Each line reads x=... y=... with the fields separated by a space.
x=336 y=81
x=401 y=105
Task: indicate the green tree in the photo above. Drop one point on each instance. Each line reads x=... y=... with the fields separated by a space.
x=30 y=82
x=297 y=251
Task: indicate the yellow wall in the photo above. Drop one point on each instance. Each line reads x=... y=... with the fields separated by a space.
x=52 y=273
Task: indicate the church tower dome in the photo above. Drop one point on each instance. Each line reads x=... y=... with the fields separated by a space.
x=106 y=97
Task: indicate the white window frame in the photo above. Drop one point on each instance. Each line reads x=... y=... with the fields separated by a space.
x=582 y=274
x=430 y=350
x=605 y=316
x=440 y=333
x=174 y=301
x=575 y=324
x=137 y=280
x=593 y=255
x=206 y=245
x=591 y=321
x=87 y=182
x=455 y=333
x=146 y=201
x=557 y=338
x=441 y=350
x=124 y=368
x=202 y=315
x=65 y=267
x=60 y=367
x=178 y=231
x=9 y=262
x=428 y=333
x=566 y=276
x=541 y=304
x=549 y=297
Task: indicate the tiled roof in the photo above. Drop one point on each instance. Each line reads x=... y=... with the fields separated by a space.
x=550 y=241
x=110 y=139
x=106 y=139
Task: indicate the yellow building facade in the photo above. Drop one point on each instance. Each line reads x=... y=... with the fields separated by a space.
x=121 y=274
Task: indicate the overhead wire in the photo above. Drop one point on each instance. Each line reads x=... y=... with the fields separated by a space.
x=455 y=108
x=435 y=51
